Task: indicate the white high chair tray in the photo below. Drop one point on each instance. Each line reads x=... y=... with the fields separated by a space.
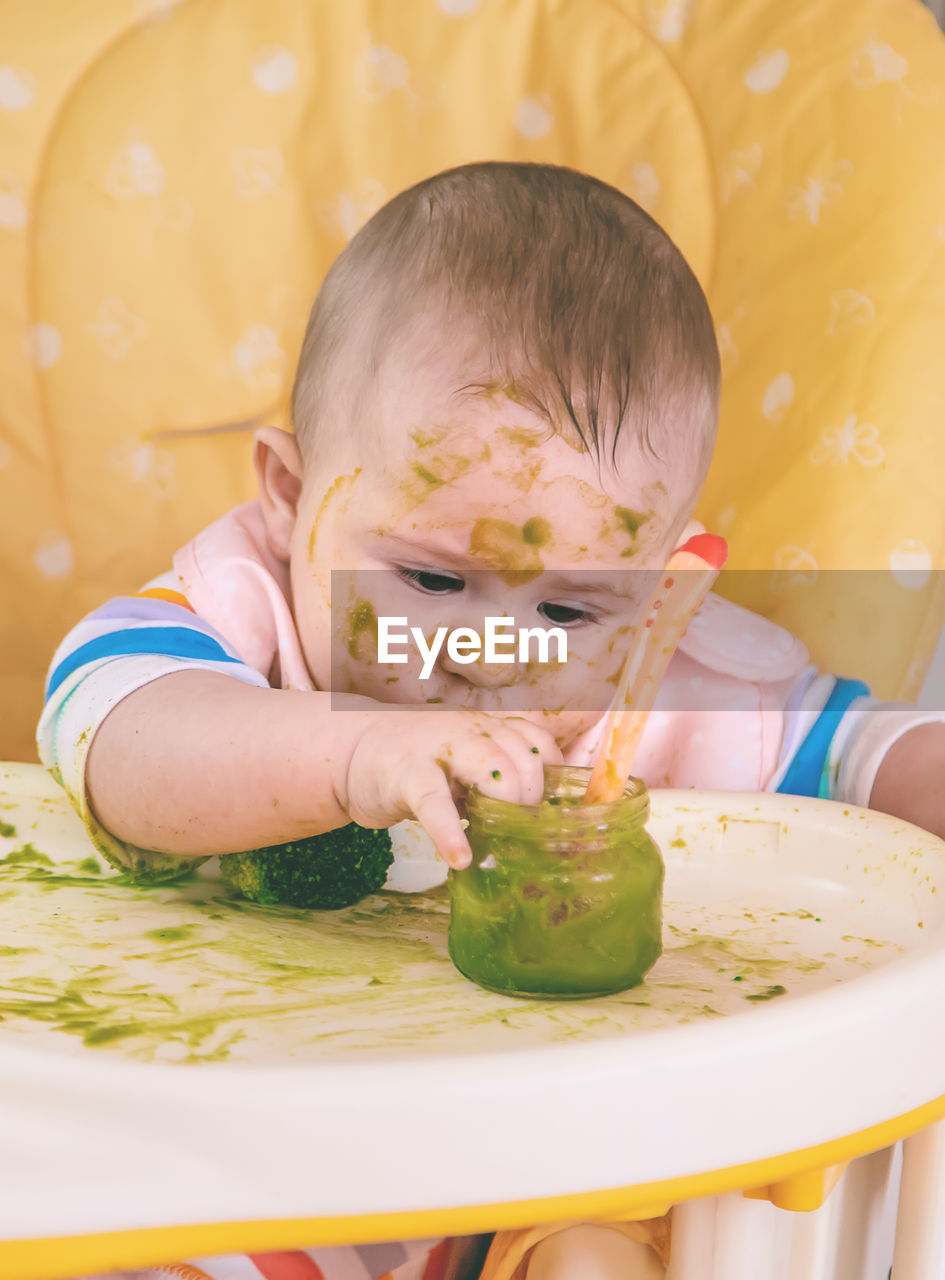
x=177 y=1055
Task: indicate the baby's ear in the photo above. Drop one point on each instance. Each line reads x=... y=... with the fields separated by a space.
x=279 y=472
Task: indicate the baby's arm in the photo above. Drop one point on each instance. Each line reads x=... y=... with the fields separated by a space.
x=196 y=762
x=910 y=781
x=885 y=755
x=165 y=739
x=199 y=763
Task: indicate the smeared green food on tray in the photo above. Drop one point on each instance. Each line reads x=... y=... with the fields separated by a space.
x=26 y=855
x=188 y=973
x=769 y=993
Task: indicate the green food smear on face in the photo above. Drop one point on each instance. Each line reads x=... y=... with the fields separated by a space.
x=361 y=617
x=427 y=439
x=91 y=866
x=515 y=392
x=526 y=476
x=506 y=548
x=521 y=437
x=425 y=474
x=444 y=461
x=7 y=830
x=334 y=489
x=631 y=521
x=678 y=843
x=536 y=531
x=769 y=993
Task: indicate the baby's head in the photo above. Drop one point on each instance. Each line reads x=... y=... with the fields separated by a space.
x=507 y=395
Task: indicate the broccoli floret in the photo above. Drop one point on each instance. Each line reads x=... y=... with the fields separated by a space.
x=330 y=871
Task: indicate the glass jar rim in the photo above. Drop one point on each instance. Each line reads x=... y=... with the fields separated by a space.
x=633 y=803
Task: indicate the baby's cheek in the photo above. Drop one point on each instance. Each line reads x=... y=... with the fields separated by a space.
x=312 y=613
x=354 y=640
x=359 y=663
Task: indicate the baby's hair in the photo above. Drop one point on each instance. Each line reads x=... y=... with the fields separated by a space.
x=576 y=300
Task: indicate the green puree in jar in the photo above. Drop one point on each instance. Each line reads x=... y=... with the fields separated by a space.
x=562 y=899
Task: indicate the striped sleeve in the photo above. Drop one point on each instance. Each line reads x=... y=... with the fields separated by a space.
x=836 y=735
x=125 y=644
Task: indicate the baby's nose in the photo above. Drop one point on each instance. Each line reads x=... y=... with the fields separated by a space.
x=481 y=674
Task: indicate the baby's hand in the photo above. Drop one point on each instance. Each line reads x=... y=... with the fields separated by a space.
x=414 y=764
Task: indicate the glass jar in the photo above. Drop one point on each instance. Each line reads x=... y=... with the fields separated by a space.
x=561 y=899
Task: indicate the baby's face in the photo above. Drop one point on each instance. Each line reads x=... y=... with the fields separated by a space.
x=467 y=507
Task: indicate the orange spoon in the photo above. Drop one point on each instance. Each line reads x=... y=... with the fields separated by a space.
x=683 y=586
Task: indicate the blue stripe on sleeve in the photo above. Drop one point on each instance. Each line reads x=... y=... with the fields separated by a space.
x=806 y=773
x=172 y=642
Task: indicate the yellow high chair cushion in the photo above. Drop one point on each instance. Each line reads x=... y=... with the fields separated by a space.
x=176 y=178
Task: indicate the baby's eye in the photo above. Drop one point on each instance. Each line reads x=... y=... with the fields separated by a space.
x=565 y=615
x=434 y=584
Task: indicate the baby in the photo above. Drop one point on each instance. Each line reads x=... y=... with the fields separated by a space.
x=505 y=406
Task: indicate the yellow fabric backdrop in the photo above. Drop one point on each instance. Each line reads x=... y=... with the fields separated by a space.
x=176 y=178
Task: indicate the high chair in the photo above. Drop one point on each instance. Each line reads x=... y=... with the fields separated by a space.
x=175 y=179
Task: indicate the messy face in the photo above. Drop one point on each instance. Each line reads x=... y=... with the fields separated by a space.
x=454 y=508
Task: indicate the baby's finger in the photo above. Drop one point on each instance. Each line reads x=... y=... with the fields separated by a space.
x=526 y=761
x=480 y=760
x=431 y=803
x=538 y=737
